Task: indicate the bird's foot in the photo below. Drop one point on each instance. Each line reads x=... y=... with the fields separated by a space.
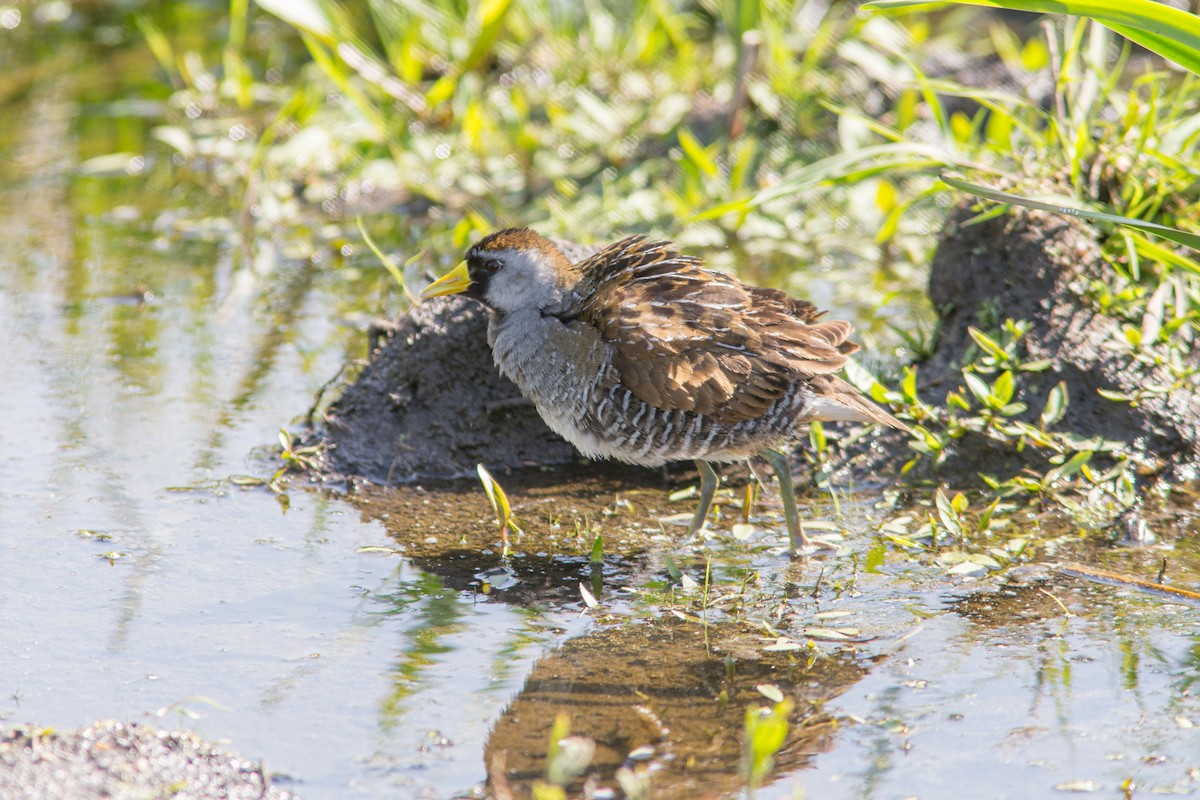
x=810 y=544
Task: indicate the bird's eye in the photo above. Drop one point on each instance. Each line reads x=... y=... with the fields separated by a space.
x=492 y=265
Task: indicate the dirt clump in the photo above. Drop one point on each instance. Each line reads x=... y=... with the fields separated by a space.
x=118 y=759
x=431 y=404
x=1037 y=267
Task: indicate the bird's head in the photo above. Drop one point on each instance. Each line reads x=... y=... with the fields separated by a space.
x=510 y=270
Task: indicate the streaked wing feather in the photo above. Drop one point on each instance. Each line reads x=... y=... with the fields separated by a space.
x=690 y=339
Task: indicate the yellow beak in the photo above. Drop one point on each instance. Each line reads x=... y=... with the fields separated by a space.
x=455 y=281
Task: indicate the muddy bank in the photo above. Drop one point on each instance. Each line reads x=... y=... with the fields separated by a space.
x=1037 y=267
x=116 y=759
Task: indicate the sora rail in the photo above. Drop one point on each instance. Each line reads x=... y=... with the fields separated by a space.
x=638 y=353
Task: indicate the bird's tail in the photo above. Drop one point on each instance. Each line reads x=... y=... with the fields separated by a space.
x=837 y=401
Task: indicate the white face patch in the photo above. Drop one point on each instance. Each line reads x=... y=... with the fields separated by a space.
x=526 y=282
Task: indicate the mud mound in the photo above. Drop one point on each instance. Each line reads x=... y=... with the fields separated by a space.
x=432 y=404
x=1032 y=266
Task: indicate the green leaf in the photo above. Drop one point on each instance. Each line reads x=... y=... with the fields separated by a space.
x=1167 y=31
x=1002 y=389
x=990 y=481
x=597 y=556
x=988 y=344
x=978 y=386
x=491 y=24
x=909 y=385
x=160 y=45
x=947 y=513
x=696 y=152
x=1070 y=468
x=1056 y=405
x=985 y=519
x=673 y=570
x=1148 y=249
x=396 y=273
x=442 y=90
x=496 y=496
x=1152 y=321
x=765 y=733
x=816 y=437
x=956 y=400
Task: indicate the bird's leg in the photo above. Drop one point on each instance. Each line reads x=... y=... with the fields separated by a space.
x=708 y=487
x=787 y=492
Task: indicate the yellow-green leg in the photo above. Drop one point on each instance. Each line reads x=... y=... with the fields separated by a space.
x=708 y=487
x=787 y=492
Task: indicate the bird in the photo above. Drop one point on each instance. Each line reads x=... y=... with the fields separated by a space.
x=639 y=353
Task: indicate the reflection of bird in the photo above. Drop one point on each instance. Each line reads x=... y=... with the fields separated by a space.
x=638 y=353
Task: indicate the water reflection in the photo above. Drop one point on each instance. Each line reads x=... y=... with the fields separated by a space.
x=111 y=397
x=669 y=697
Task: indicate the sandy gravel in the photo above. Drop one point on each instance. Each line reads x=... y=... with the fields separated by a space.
x=125 y=761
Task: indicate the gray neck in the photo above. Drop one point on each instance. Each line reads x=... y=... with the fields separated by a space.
x=555 y=364
x=519 y=341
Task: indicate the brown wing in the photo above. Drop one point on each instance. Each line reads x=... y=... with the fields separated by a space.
x=687 y=338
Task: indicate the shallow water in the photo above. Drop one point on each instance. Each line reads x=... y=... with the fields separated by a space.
x=363 y=655
x=136 y=368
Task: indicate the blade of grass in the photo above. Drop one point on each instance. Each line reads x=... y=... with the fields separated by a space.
x=303 y=14
x=1168 y=31
x=1173 y=234
x=388 y=264
x=902 y=155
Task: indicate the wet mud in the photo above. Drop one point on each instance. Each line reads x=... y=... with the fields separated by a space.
x=1033 y=266
x=559 y=510
x=448 y=528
